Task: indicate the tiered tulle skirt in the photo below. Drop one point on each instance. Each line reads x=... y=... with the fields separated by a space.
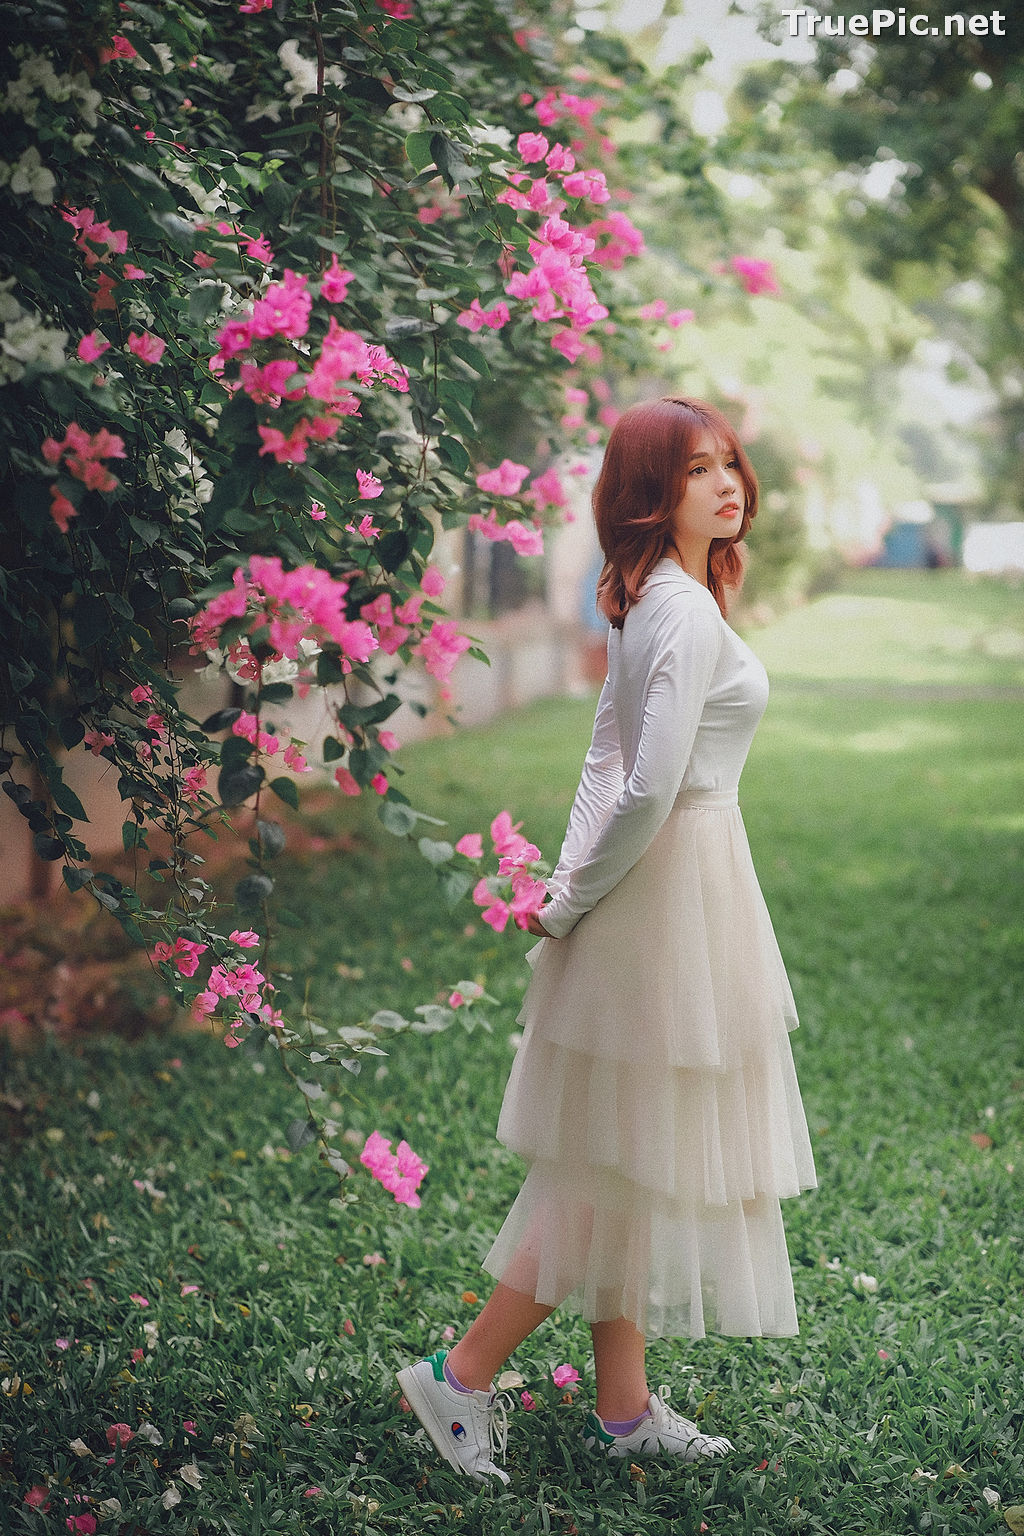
x=655 y=1099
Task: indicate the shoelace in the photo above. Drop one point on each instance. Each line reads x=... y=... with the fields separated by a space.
x=676 y=1420
x=497 y=1425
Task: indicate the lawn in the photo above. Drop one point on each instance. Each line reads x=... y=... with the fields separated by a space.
x=169 y=1265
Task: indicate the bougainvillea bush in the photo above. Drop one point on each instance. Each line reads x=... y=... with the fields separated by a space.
x=273 y=273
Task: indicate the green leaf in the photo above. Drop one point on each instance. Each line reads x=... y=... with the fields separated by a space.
x=220 y=720
x=417 y=147
x=253 y=890
x=276 y=693
x=452 y=453
x=399 y=819
x=287 y=790
x=332 y=749
x=435 y=853
x=204 y=299
x=272 y=837
x=235 y=785
x=66 y=798
x=71 y=730
x=455 y=883
x=400 y=326
x=300 y=1133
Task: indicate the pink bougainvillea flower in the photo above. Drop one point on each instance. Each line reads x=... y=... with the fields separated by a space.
x=388 y=740
x=475 y=318
x=147 y=347
x=245 y=938
x=470 y=845
x=184 y=955
x=654 y=311
x=84 y=1525
x=524 y=540
x=679 y=317
x=369 y=486
x=346 y=783
x=547 y=490
x=565 y=1376
x=284 y=308
x=61 y=510
x=379 y=784
x=93 y=346
x=398 y=10
x=334 y=283
x=120 y=48
x=253 y=7
x=506 y=836
x=119 y=1434
x=259 y=250
x=527 y=1400
x=432 y=582
x=503 y=481
x=135 y=1355
x=140 y=1301
x=294 y=759
x=97 y=740
x=133 y=273
x=560 y=160
x=496 y=916
x=312 y=1493
x=349 y=1327
x=441 y=648
x=193 y=782
x=366 y=528
x=532 y=147
x=401 y=1172
x=316 y=511
x=756 y=276
x=189 y=1290
x=38 y=1497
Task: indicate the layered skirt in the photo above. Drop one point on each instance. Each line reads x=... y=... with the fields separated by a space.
x=655 y=1100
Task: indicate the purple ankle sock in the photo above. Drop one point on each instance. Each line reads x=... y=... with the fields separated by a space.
x=625 y=1426
x=453 y=1381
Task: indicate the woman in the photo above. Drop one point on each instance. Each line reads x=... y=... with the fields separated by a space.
x=653 y=1095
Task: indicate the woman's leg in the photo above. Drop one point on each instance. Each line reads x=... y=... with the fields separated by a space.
x=622 y=1390
x=507 y=1318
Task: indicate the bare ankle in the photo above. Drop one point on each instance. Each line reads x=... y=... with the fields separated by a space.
x=465 y=1371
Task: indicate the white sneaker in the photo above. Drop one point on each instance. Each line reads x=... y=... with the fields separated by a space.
x=468 y=1428
x=665 y=1430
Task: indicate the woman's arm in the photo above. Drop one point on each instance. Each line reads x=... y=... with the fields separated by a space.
x=599 y=787
x=686 y=639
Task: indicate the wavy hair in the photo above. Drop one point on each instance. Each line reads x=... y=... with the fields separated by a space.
x=642 y=481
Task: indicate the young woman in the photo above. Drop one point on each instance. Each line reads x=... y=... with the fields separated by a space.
x=653 y=1095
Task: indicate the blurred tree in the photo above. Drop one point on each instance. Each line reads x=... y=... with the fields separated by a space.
x=928 y=130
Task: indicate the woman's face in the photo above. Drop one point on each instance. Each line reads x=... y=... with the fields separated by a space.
x=713 y=499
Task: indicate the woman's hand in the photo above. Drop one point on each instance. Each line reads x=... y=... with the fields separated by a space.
x=536 y=927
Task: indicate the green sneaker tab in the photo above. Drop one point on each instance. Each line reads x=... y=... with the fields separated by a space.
x=596 y=1428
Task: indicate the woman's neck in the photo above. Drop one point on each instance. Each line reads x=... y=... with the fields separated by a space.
x=693 y=560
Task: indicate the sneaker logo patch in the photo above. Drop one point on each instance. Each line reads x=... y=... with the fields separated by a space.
x=458 y=1430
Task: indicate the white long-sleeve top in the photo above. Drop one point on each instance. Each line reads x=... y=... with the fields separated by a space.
x=676 y=715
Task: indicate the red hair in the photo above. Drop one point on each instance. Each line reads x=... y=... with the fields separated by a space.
x=642 y=481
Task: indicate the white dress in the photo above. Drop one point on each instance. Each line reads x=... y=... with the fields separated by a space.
x=654 y=1095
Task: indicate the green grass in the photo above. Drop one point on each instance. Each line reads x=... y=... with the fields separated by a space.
x=887 y=832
